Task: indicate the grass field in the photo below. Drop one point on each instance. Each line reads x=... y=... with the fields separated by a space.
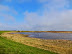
x=11 y=47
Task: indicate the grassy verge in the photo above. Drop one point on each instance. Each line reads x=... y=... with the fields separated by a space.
x=11 y=47
x=3 y=32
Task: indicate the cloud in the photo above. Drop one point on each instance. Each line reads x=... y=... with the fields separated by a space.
x=1 y=1
x=14 y=12
x=6 y=27
x=18 y=1
x=55 y=4
x=52 y=21
x=4 y=8
x=7 y=9
x=55 y=16
x=5 y=13
x=8 y=0
x=7 y=17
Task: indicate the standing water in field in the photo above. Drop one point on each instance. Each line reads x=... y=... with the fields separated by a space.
x=47 y=35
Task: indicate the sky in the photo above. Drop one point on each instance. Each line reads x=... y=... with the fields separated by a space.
x=36 y=15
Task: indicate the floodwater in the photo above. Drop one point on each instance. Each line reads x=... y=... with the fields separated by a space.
x=47 y=35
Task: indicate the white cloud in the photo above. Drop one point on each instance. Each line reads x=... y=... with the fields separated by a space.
x=54 y=17
x=52 y=21
x=55 y=4
x=7 y=17
x=8 y=0
x=14 y=11
x=4 y=8
x=6 y=27
x=7 y=9
x=5 y=13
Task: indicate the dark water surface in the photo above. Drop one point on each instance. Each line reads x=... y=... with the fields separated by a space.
x=46 y=35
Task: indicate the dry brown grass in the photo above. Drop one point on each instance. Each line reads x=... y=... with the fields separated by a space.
x=49 y=31
x=58 y=46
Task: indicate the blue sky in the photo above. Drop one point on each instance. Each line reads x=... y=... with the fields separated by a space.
x=37 y=15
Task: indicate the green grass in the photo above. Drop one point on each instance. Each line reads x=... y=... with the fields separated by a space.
x=3 y=32
x=11 y=47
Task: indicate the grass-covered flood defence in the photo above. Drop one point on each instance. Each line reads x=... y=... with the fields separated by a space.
x=3 y=32
x=11 y=47
x=59 y=46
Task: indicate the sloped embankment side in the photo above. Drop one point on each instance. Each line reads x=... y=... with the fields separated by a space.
x=58 y=46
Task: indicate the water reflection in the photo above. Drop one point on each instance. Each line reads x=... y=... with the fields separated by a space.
x=45 y=35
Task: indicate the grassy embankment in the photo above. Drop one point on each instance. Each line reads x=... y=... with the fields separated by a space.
x=11 y=47
x=3 y=32
x=58 y=46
